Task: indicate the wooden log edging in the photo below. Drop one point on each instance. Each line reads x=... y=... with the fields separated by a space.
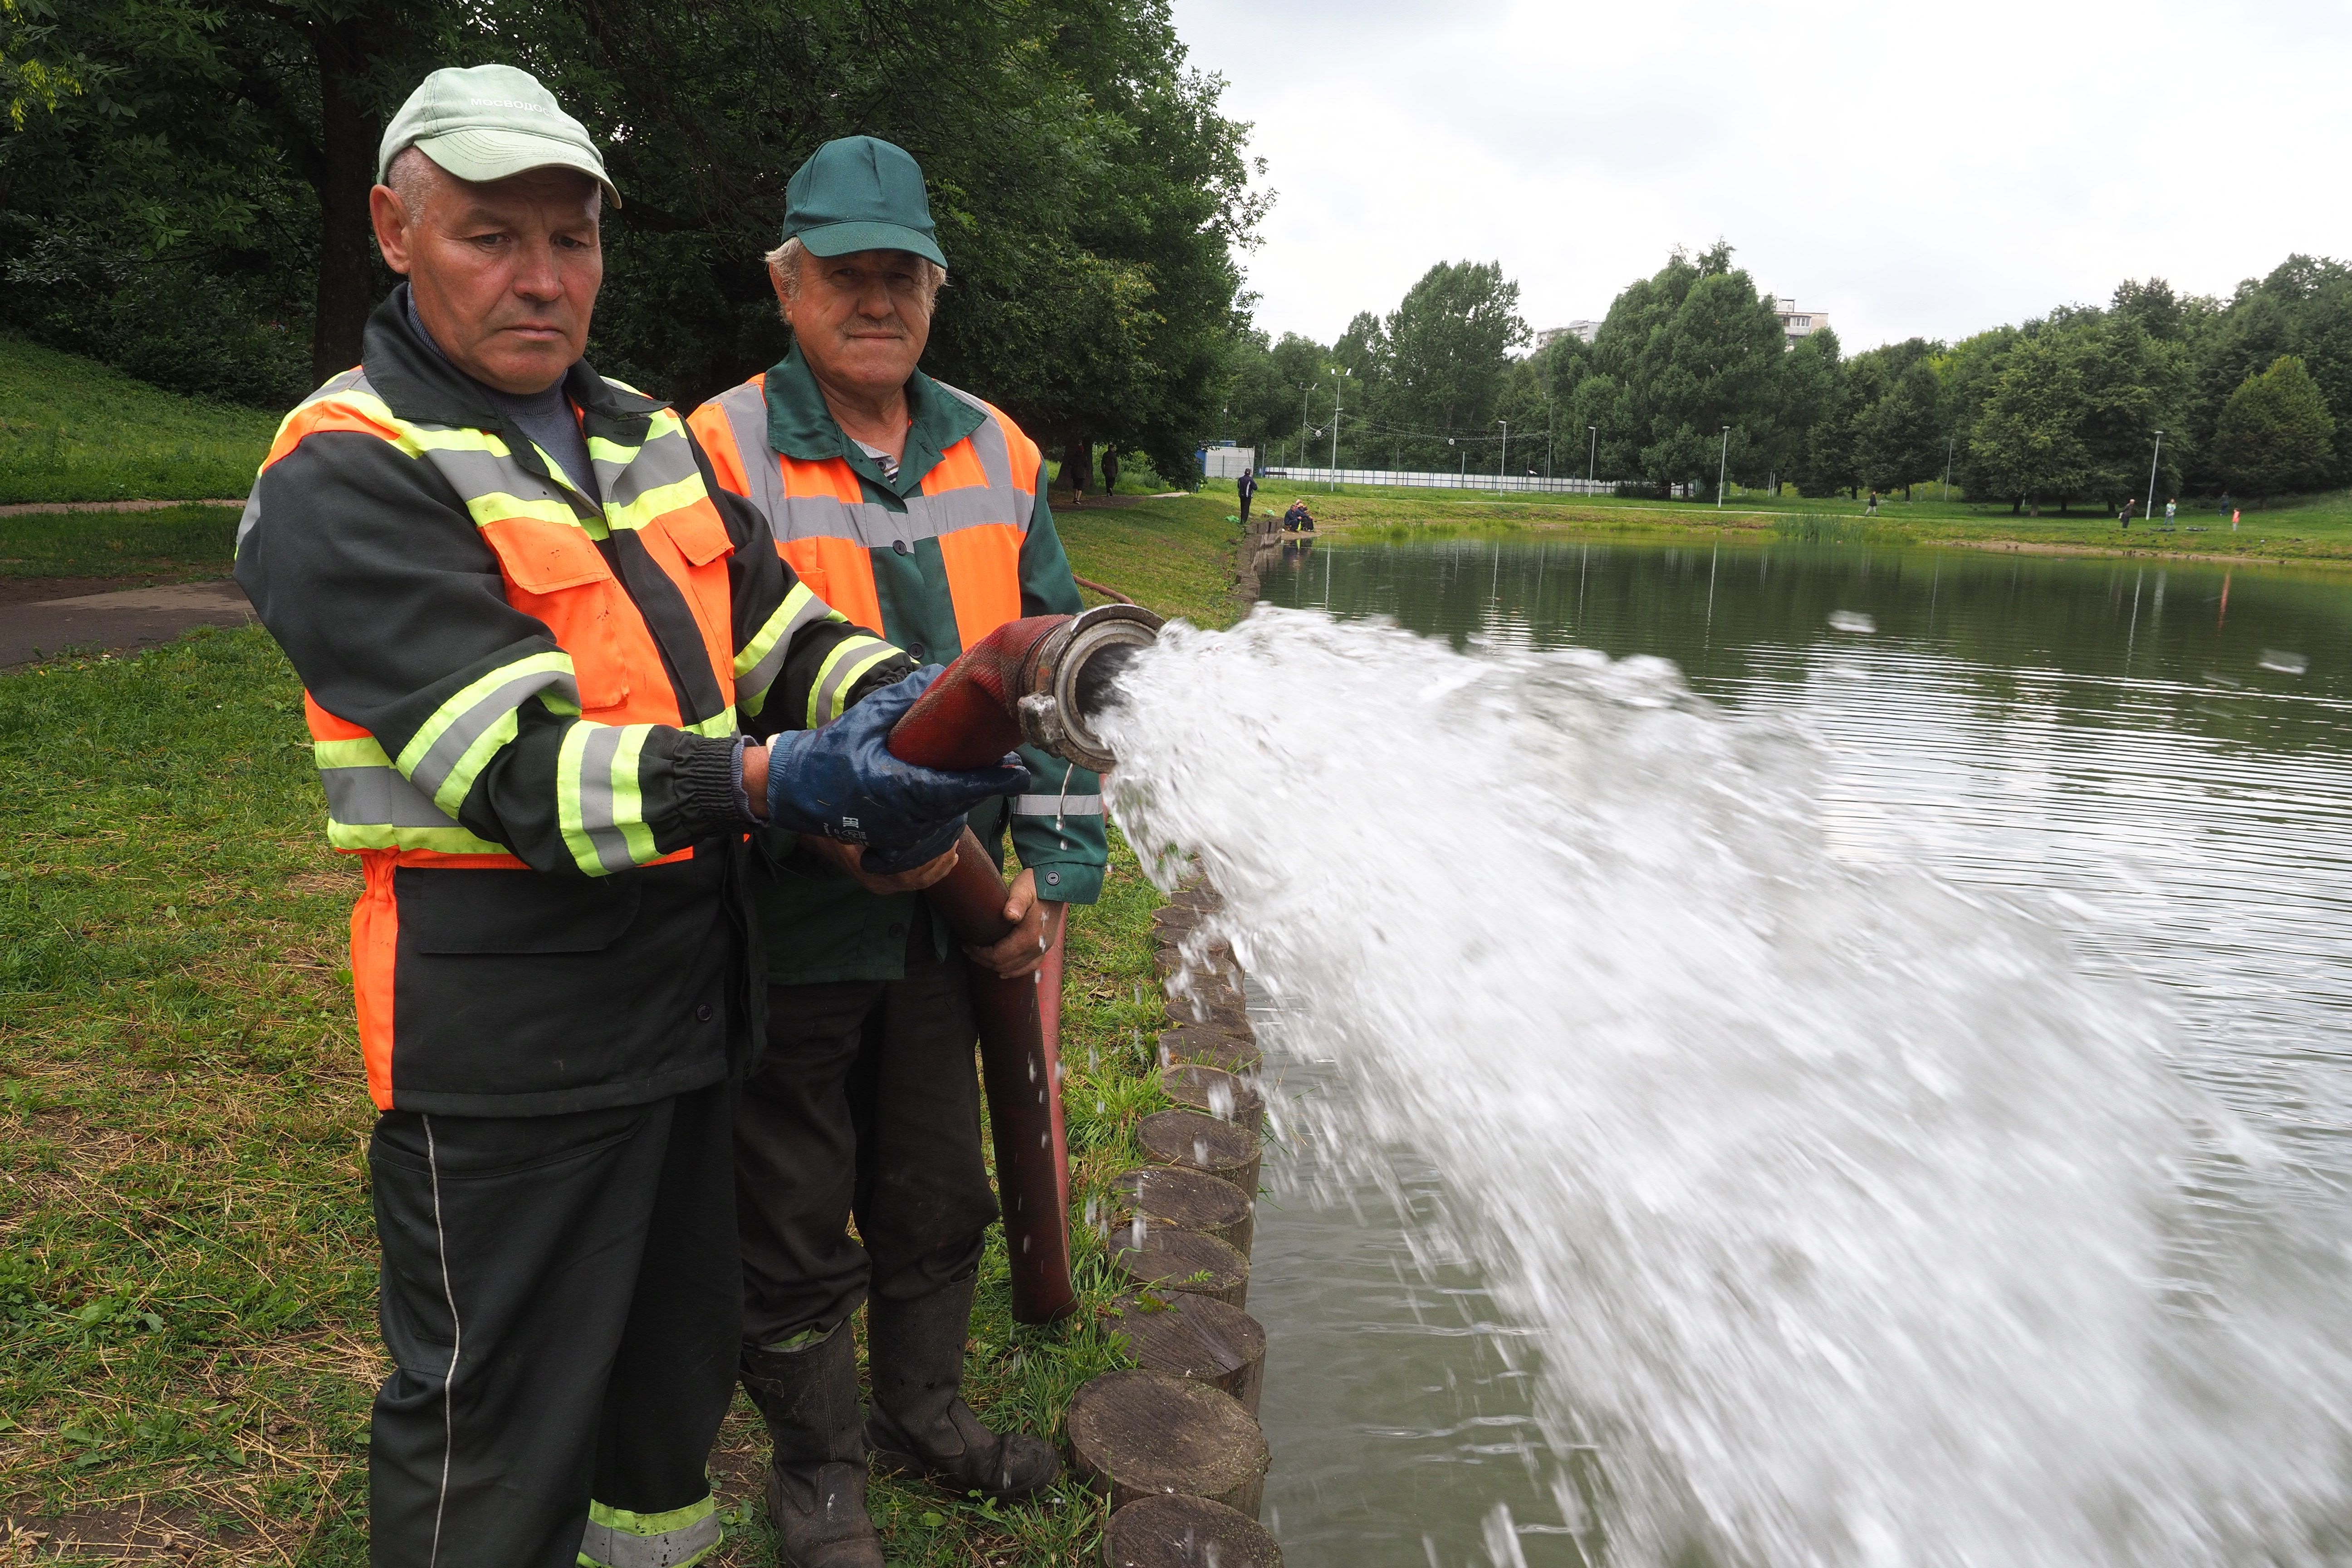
x=1187 y=1200
x=1175 y=1443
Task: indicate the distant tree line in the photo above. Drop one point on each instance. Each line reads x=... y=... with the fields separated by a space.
x=1691 y=369
x=183 y=185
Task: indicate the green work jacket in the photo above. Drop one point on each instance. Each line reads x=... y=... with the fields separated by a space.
x=820 y=925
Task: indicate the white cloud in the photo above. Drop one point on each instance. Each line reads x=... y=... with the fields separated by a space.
x=1907 y=169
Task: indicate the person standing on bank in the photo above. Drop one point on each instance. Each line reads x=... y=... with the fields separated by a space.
x=529 y=624
x=1246 y=486
x=920 y=510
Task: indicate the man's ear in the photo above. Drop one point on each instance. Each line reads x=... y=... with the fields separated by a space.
x=389 y=216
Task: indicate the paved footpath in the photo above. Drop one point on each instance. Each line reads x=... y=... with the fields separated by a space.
x=140 y=618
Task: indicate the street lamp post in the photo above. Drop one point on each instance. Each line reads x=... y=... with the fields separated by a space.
x=1592 y=459
x=1948 y=464
x=1503 y=459
x=1722 y=466
x=2151 y=476
x=1304 y=389
x=1343 y=376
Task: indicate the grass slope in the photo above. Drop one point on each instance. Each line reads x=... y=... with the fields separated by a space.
x=187 y=1343
x=71 y=430
x=172 y=544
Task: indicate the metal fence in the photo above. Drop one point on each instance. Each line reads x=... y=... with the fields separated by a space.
x=1402 y=480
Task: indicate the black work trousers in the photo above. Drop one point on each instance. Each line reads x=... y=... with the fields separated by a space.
x=867 y=1101
x=562 y=1297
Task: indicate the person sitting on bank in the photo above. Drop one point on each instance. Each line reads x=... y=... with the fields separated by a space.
x=1296 y=519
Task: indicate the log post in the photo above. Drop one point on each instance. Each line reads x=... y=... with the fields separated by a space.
x=1194 y=1336
x=1198 y=1086
x=1187 y=1200
x=1191 y=1141
x=1186 y=1533
x=1158 y=1257
x=1225 y=1049
x=1145 y=1434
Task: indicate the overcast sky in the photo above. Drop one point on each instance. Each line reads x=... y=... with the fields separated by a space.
x=1907 y=169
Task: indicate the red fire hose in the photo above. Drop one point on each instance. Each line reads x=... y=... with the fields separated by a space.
x=1038 y=680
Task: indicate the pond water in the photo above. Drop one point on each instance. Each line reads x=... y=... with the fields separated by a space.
x=2157 y=754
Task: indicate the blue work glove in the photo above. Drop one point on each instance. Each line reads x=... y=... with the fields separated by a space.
x=841 y=780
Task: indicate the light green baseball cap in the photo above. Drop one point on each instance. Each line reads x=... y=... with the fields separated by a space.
x=486 y=122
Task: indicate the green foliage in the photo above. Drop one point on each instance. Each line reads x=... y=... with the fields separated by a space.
x=1899 y=439
x=2275 y=432
x=1680 y=355
x=74 y=430
x=2025 y=441
x=199 y=215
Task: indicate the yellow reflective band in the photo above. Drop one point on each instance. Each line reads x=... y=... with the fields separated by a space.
x=661 y=499
x=718 y=727
x=616 y=1538
x=761 y=660
x=363 y=753
x=839 y=675
x=449 y=751
x=597 y=802
x=600 y=450
x=494 y=505
x=383 y=836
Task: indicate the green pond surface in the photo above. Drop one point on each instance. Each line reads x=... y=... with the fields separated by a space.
x=2157 y=755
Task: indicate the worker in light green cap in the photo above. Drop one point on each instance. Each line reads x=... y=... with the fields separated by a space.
x=918 y=509
x=548 y=668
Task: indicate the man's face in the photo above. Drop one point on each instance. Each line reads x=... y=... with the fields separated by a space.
x=505 y=275
x=861 y=319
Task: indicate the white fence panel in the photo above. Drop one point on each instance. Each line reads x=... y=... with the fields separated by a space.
x=1402 y=480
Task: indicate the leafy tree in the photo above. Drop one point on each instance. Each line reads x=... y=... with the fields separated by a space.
x=1445 y=355
x=1537 y=398
x=1816 y=418
x=1967 y=376
x=1812 y=393
x=198 y=214
x=1899 y=438
x=1681 y=355
x=2024 y=441
x=2275 y=432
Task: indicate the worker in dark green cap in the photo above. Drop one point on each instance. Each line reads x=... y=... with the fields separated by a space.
x=920 y=510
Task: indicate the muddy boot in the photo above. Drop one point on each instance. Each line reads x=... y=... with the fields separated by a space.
x=919 y=1425
x=816 y=1477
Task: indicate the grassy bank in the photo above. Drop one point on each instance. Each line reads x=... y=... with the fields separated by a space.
x=71 y=429
x=187 y=1344
x=174 y=544
x=2308 y=528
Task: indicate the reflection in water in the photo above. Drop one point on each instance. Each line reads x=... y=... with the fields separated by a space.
x=2157 y=753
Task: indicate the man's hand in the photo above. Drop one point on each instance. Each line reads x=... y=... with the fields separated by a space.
x=1036 y=928
x=851 y=858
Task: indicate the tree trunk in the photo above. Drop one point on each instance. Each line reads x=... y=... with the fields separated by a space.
x=1078 y=464
x=348 y=134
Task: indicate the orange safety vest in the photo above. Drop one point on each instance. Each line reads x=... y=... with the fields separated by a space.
x=976 y=502
x=610 y=669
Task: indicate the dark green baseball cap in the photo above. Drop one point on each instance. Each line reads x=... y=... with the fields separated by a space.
x=860 y=193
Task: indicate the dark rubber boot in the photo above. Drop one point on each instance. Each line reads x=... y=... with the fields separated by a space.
x=921 y=1425
x=816 y=1478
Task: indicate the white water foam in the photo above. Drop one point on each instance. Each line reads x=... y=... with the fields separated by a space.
x=1858 y=1227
